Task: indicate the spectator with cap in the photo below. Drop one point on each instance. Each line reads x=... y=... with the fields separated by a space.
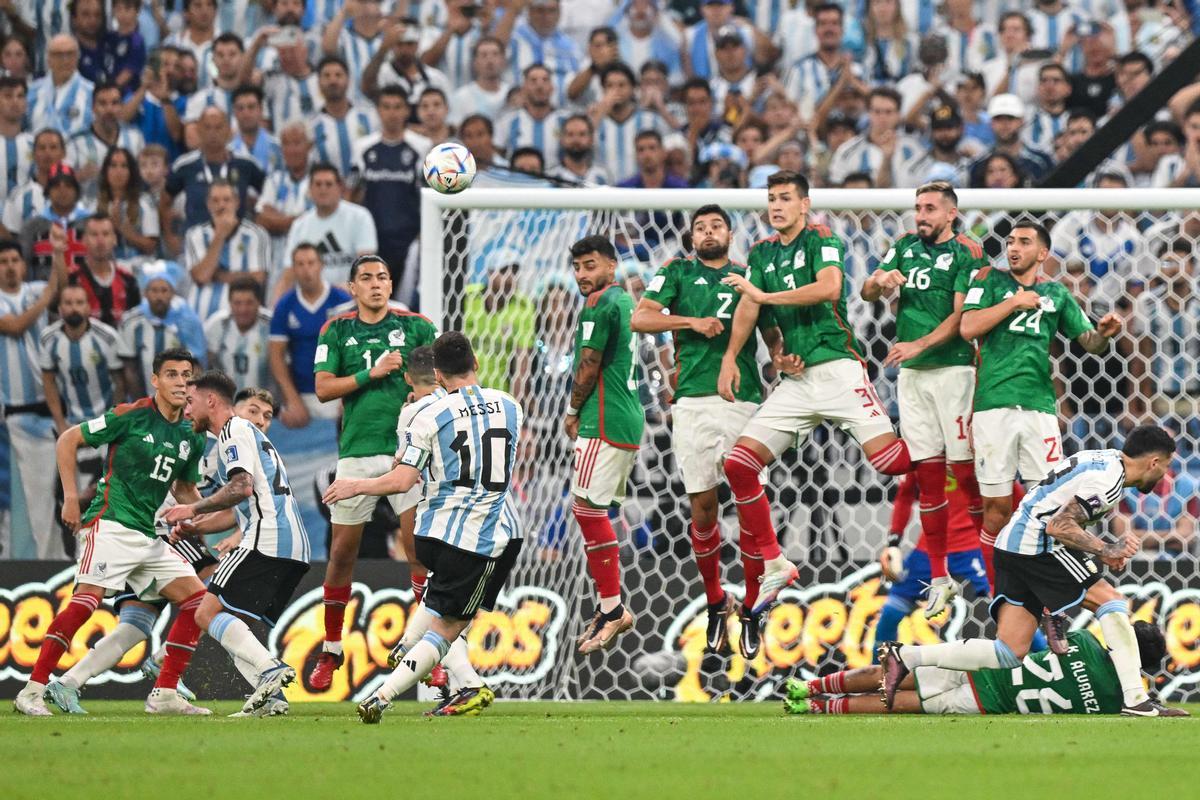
x=486 y=93
x=734 y=83
x=537 y=39
x=535 y=123
x=86 y=149
x=1006 y=114
x=396 y=64
x=700 y=40
x=62 y=99
x=645 y=34
x=296 y=324
x=219 y=250
x=1048 y=117
x=238 y=337
x=285 y=191
x=62 y=208
x=882 y=151
x=811 y=78
x=721 y=165
x=500 y=322
x=618 y=121
x=577 y=153
x=946 y=148
x=111 y=288
x=251 y=139
x=159 y=321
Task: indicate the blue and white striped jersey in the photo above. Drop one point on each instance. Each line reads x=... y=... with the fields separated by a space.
x=860 y=155
x=455 y=63
x=264 y=151
x=20 y=378
x=468 y=440
x=1041 y=127
x=334 y=139
x=518 y=128
x=247 y=250
x=243 y=355
x=242 y=17
x=615 y=150
x=357 y=50
x=557 y=52
x=203 y=98
x=291 y=99
x=970 y=50
x=1096 y=478
x=24 y=203
x=16 y=160
x=86 y=149
x=270 y=518
x=144 y=335
x=201 y=50
x=1049 y=30
x=66 y=108
x=82 y=368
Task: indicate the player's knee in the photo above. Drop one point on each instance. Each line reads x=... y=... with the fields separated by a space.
x=704 y=510
x=140 y=617
x=742 y=467
x=931 y=481
x=996 y=512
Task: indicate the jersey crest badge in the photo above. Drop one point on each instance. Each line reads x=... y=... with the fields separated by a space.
x=1047 y=304
x=231 y=453
x=396 y=338
x=943 y=261
x=185 y=449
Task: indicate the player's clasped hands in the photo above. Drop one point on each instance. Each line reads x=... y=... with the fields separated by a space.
x=1026 y=300
x=1115 y=555
x=389 y=363
x=745 y=288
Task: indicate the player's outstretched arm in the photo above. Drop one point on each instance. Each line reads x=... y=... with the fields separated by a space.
x=979 y=322
x=66 y=452
x=331 y=387
x=1097 y=341
x=398 y=481
x=827 y=288
x=1066 y=527
x=648 y=317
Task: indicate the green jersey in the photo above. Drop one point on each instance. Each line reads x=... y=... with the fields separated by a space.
x=1014 y=356
x=690 y=289
x=612 y=412
x=1083 y=681
x=817 y=333
x=146 y=454
x=347 y=346
x=499 y=335
x=935 y=274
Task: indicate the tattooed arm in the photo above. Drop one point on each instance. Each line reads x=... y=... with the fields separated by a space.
x=587 y=375
x=1066 y=527
x=240 y=486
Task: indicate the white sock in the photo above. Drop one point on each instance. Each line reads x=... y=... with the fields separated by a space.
x=418 y=623
x=237 y=639
x=458 y=666
x=1123 y=650
x=969 y=654
x=332 y=647
x=415 y=665
x=246 y=669
x=607 y=604
x=777 y=564
x=104 y=654
x=160 y=653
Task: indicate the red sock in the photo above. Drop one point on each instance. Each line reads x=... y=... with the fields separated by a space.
x=935 y=511
x=833 y=705
x=181 y=643
x=964 y=473
x=600 y=542
x=752 y=567
x=60 y=633
x=336 y=598
x=987 y=543
x=893 y=459
x=828 y=684
x=707 y=547
x=418 y=586
x=742 y=467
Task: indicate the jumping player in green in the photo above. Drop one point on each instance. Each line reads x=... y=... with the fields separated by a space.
x=359 y=358
x=152 y=450
x=931 y=267
x=1083 y=681
x=704 y=426
x=798 y=273
x=605 y=419
x=1015 y=315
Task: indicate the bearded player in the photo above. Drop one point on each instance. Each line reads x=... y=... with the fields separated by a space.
x=704 y=426
x=605 y=418
x=359 y=358
x=1046 y=559
x=798 y=274
x=932 y=267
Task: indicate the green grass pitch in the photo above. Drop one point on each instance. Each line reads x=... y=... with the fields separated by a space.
x=584 y=750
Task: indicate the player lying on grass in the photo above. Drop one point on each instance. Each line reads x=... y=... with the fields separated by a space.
x=1083 y=681
x=1045 y=567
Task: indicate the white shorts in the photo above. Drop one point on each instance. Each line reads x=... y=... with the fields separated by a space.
x=358 y=510
x=837 y=391
x=1012 y=440
x=601 y=471
x=703 y=431
x=935 y=411
x=411 y=498
x=318 y=410
x=113 y=556
x=945 y=691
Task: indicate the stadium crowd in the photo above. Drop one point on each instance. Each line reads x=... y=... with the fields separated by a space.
x=205 y=171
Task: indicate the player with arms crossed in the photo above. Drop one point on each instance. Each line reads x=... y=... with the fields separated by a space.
x=1084 y=681
x=358 y=359
x=932 y=268
x=798 y=273
x=605 y=418
x=152 y=451
x=1045 y=559
x=704 y=426
x=256 y=580
x=468 y=440
x=1015 y=314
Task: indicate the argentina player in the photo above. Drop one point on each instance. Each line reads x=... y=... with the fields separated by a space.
x=468 y=440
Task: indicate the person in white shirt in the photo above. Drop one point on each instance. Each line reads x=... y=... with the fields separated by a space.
x=285 y=192
x=198 y=35
x=357 y=42
x=449 y=47
x=1048 y=117
x=486 y=94
x=882 y=151
x=341 y=124
x=340 y=230
x=227 y=54
x=1010 y=72
x=219 y=250
x=733 y=81
x=238 y=337
x=618 y=121
x=61 y=100
x=396 y=64
x=535 y=123
x=577 y=150
x=645 y=34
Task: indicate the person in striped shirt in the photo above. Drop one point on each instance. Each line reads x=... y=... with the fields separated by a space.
x=16 y=144
x=882 y=151
x=450 y=45
x=1048 y=117
x=538 y=39
x=251 y=139
x=487 y=93
x=291 y=89
x=198 y=35
x=88 y=148
x=1046 y=565
x=535 y=123
x=217 y=250
x=228 y=52
x=618 y=121
x=355 y=43
x=238 y=338
x=810 y=79
x=162 y=320
x=341 y=124
x=63 y=98
x=285 y=192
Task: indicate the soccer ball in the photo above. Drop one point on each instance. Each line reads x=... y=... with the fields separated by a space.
x=449 y=168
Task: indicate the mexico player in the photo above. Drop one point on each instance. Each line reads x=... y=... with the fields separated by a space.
x=932 y=267
x=1015 y=314
x=1045 y=559
x=605 y=418
x=468 y=440
x=137 y=616
x=1083 y=682
x=256 y=580
x=798 y=273
x=358 y=359
x=704 y=426
x=152 y=451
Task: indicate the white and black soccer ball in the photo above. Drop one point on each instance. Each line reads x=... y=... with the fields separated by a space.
x=449 y=168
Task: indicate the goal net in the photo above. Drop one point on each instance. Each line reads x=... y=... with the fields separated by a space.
x=494 y=262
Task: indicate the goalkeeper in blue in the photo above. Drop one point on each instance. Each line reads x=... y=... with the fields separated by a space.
x=468 y=442
x=1046 y=566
